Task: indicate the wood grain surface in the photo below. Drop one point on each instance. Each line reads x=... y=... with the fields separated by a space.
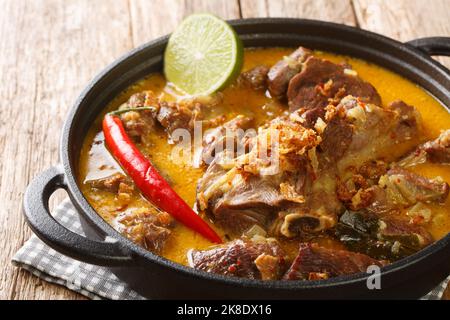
x=49 y=50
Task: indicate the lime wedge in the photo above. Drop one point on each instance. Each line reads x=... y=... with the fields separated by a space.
x=203 y=55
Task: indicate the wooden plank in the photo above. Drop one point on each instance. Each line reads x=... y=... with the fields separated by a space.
x=405 y=19
x=49 y=50
x=336 y=11
x=151 y=19
x=446 y=295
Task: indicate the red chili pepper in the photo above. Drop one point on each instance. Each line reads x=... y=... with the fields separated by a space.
x=148 y=180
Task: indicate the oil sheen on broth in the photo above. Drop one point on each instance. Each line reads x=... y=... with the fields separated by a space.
x=96 y=162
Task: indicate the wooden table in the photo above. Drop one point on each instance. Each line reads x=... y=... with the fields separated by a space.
x=49 y=49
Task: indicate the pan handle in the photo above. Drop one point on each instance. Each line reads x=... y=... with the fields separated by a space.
x=433 y=46
x=58 y=237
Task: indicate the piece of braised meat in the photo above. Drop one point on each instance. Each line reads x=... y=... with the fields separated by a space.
x=148 y=228
x=139 y=124
x=283 y=71
x=434 y=151
x=382 y=237
x=173 y=115
x=314 y=263
x=378 y=133
x=322 y=82
x=395 y=190
x=257 y=258
x=227 y=137
x=110 y=183
x=336 y=138
x=410 y=117
x=237 y=200
x=170 y=115
x=117 y=183
x=412 y=188
x=255 y=78
x=438 y=151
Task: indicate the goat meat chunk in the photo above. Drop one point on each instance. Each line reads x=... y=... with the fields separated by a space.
x=248 y=201
x=322 y=82
x=438 y=151
x=434 y=151
x=149 y=228
x=255 y=78
x=173 y=116
x=283 y=71
x=394 y=191
x=114 y=183
x=378 y=133
x=227 y=137
x=311 y=116
x=409 y=120
x=169 y=115
x=252 y=259
x=336 y=139
x=315 y=262
x=139 y=124
x=414 y=188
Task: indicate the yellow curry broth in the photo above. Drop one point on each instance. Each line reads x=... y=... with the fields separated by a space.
x=95 y=161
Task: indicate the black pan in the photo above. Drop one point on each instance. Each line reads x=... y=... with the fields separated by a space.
x=156 y=277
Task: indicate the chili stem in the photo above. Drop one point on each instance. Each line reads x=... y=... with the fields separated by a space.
x=119 y=112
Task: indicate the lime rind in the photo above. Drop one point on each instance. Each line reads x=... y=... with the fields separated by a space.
x=203 y=55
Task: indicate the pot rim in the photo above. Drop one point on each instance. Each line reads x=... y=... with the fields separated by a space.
x=87 y=211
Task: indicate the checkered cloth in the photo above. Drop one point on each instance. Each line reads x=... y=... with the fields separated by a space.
x=92 y=281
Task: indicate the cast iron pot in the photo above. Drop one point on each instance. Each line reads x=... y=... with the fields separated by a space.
x=156 y=277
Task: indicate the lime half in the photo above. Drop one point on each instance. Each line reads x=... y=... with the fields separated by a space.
x=203 y=55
